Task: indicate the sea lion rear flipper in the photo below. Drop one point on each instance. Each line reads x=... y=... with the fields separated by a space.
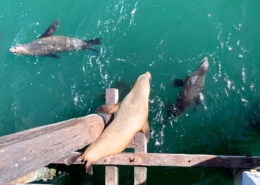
x=108 y=109
x=178 y=83
x=91 y=42
x=92 y=49
x=146 y=131
x=198 y=100
x=53 y=56
x=51 y=29
x=95 y=41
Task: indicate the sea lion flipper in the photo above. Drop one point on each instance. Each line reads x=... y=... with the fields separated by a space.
x=89 y=168
x=53 y=56
x=108 y=109
x=91 y=42
x=91 y=49
x=178 y=83
x=146 y=131
x=198 y=100
x=95 y=41
x=51 y=29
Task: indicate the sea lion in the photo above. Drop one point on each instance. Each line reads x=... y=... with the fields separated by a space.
x=47 y=45
x=130 y=117
x=191 y=91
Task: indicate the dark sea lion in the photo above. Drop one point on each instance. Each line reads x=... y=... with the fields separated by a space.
x=47 y=45
x=130 y=117
x=191 y=91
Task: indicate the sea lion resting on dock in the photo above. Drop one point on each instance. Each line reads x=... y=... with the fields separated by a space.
x=47 y=45
x=130 y=117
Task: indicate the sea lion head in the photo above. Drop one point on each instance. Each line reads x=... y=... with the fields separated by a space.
x=204 y=65
x=19 y=49
x=142 y=84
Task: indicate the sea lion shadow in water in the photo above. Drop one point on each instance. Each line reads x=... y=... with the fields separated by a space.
x=252 y=113
x=191 y=91
x=47 y=45
x=123 y=88
x=130 y=117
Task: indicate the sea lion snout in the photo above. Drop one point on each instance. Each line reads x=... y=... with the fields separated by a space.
x=12 y=49
x=17 y=49
x=143 y=79
x=148 y=75
x=204 y=65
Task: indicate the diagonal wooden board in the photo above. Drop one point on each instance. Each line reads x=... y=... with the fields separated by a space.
x=27 y=151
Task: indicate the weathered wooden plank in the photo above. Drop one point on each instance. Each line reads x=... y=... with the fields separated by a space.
x=24 y=152
x=111 y=172
x=177 y=160
x=111 y=175
x=182 y=160
x=140 y=173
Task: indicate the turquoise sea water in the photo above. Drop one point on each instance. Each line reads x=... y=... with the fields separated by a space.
x=167 y=38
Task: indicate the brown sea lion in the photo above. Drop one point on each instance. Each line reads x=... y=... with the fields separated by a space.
x=130 y=117
x=47 y=45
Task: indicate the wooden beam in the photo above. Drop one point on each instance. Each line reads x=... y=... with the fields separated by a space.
x=24 y=152
x=140 y=173
x=111 y=172
x=182 y=160
x=178 y=160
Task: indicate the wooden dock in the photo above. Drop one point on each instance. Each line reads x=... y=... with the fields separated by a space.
x=27 y=151
x=24 y=152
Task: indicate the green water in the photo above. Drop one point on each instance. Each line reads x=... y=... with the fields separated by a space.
x=167 y=38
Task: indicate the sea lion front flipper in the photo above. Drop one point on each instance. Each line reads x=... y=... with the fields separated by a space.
x=198 y=100
x=178 y=83
x=53 y=56
x=89 y=168
x=108 y=109
x=146 y=131
x=51 y=29
x=88 y=165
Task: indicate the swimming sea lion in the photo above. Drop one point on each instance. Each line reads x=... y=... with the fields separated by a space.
x=47 y=45
x=130 y=118
x=191 y=91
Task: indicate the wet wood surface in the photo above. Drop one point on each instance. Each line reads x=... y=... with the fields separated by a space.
x=24 y=152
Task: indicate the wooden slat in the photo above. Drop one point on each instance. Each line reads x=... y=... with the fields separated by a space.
x=111 y=172
x=182 y=160
x=178 y=160
x=24 y=152
x=140 y=173
x=111 y=175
